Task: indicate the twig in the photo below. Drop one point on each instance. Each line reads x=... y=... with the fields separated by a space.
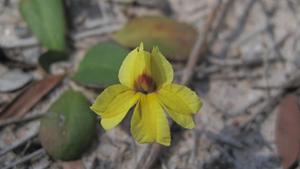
x=240 y=75
x=271 y=103
x=238 y=30
x=4 y=123
x=266 y=69
x=259 y=87
x=200 y=47
x=26 y=158
x=221 y=20
x=194 y=153
x=204 y=72
x=152 y=152
x=163 y=164
x=98 y=23
x=18 y=43
x=15 y=145
x=240 y=62
x=224 y=139
x=293 y=11
x=194 y=13
x=150 y=156
x=105 y=19
x=254 y=61
x=250 y=36
x=97 y=31
x=270 y=28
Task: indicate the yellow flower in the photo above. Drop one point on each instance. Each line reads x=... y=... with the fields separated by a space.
x=146 y=83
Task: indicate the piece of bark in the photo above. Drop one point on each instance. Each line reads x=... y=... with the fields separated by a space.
x=30 y=97
x=288 y=130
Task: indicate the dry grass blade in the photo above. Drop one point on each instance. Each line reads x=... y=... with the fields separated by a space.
x=30 y=97
x=149 y=156
x=200 y=46
x=26 y=158
x=292 y=83
x=288 y=130
x=13 y=120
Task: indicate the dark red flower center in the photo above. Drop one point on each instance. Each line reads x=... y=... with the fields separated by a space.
x=145 y=84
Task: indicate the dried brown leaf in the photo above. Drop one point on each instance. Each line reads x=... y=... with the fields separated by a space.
x=30 y=97
x=288 y=130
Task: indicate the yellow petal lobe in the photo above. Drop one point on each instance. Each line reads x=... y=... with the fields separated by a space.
x=181 y=103
x=140 y=63
x=106 y=97
x=149 y=123
x=161 y=69
x=135 y=64
x=113 y=104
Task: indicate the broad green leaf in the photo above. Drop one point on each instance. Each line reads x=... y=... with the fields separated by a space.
x=47 y=21
x=69 y=127
x=174 y=39
x=101 y=65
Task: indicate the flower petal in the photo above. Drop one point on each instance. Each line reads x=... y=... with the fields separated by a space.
x=106 y=97
x=140 y=62
x=161 y=69
x=109 y=123
x=113 y=104
x=135 y=64
x=180 y=103
x=183 y=120
x=149 y=123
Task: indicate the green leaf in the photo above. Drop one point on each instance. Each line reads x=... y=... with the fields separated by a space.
x=47 y=21
x=69 y=127
x=50 y=57
x=174 y=39
x=101 y=64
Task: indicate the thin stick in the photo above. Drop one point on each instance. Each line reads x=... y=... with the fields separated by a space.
x=15 y=145
x=258 y=61
x=150 y=156
x=4 y=123
x=97 y=31
x=271 y=103
x=200 y=47
x=18 y=43
x=26 y=158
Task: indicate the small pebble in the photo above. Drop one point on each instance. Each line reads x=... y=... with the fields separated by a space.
x=13 y=80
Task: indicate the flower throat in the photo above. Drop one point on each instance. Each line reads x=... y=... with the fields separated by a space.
x=145 y=84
